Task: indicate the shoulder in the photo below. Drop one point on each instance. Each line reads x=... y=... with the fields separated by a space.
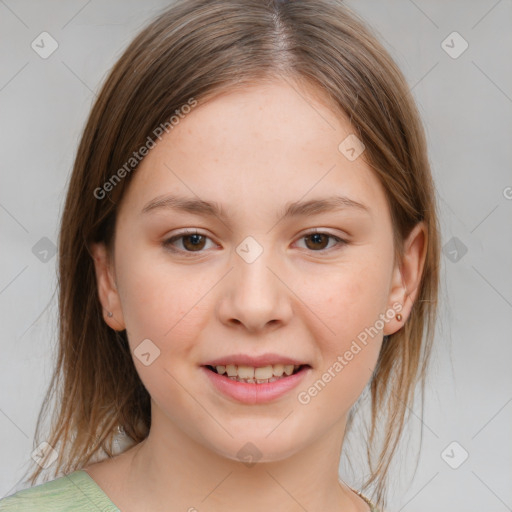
x=75 y=492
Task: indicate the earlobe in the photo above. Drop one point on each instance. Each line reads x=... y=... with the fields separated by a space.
x=107 y=290
x=407 y=277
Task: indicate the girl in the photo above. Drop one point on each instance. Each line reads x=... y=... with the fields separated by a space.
x=249 y=242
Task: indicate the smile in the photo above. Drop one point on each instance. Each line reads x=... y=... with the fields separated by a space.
x=255 y=385
x=253 y=375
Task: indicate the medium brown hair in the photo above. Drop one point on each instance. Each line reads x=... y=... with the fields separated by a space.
x=198 y=49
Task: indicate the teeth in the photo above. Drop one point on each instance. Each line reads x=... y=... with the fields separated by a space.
x=246 y=372
x=261 y=374
x=265 y=372
x=278 y=370
x=231 y=370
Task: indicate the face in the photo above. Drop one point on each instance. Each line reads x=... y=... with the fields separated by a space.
x=259 y=277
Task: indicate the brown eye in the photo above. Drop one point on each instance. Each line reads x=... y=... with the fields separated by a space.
x=193 y=242
x=187 y=243
x=318 y=241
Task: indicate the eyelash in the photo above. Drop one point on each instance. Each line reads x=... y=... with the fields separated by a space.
x=168 y=243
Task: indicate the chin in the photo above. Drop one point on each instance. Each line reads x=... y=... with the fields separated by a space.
x=258 y=448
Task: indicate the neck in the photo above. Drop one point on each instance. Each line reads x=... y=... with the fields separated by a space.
x=171 y=471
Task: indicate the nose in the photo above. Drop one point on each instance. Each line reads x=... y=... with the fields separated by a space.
x=255 y=295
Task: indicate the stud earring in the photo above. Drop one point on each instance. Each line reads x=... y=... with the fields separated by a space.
x=399 y=317
x=110 y=314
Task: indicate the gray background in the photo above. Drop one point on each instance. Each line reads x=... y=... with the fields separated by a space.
x=466 y=105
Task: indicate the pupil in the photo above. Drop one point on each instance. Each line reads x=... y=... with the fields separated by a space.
x=195 y=243
x=316 y=238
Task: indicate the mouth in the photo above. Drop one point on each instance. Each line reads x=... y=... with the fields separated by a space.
x=252 y=385
x=257 y=375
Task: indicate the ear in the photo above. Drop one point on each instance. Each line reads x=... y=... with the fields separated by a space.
x=107 y=289
x=407 y=277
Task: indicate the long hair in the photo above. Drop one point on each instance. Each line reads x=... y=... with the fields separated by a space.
x=191 y=52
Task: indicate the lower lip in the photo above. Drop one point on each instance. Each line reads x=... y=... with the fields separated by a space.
x=255 y=393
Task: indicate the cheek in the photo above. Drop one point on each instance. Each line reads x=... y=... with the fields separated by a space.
x=347 y=299
x=346 y=304
x=347 y=350
x=159 y=301
x=164 y=306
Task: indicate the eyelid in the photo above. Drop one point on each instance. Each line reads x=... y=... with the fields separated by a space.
x=180 y=234
x=323 y=231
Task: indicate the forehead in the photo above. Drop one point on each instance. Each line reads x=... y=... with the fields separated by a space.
x=260 y=147
x=271 y=120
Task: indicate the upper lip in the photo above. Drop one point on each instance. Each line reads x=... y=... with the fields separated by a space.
x=254 y=361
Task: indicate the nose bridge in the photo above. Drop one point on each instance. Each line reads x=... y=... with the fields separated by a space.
x=252 y=274
x=256 y=296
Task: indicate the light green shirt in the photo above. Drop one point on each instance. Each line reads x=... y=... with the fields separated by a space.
x=76 y=492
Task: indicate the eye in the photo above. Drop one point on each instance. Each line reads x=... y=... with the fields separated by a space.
x=191 y=241
x=317 y=241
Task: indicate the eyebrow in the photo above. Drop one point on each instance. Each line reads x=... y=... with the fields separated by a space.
x=213 y=209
